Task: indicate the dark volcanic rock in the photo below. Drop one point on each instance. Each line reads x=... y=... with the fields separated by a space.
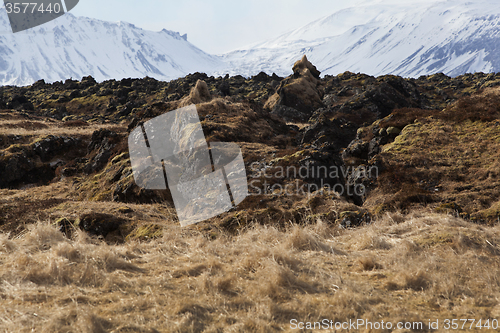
x=52 y=145
x=98 y=224
x=379 y=100
x=101 y=145
x=336 y=133
x=19 y=102
x=30 y=163
x=261 y=77
x=131 y=193
x=22 y=168
x=289 y=113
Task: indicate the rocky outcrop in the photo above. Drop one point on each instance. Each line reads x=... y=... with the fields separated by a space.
x=35 y=163
x=199 y=94
x=363 y=99
x=335 y=133
x=349 y=120
x=100 y=149
x=298 y=95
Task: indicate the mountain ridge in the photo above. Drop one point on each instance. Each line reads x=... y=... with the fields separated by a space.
x=405 y=40
x=386 y=39
x=76 y=47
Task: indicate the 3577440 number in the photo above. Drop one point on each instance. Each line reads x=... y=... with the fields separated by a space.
x=32 y=7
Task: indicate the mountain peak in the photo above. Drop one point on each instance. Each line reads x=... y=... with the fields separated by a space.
x=78 y=46
x=453 y=37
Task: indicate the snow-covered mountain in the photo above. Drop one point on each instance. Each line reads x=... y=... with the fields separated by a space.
x=450 y=36
x=76 y=46
x=453 y=37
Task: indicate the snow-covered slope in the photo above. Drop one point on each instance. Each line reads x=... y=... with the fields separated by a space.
x=75 y=47
x=410 y=40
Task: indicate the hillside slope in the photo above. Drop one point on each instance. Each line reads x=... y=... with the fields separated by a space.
x=83 y=248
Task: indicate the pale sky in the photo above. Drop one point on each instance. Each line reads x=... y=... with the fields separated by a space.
x=218 y=26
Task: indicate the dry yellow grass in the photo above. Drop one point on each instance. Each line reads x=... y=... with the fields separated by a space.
x=400 y=268
x=43 y=128
x=411 y=268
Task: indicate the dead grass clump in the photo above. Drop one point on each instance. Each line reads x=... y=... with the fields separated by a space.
x=6 y=245
x=262 y=243
x=80 y=318
x=391 y=286
x=192 y=317
x=193 y=271
x=370 y=239
x=369 y=264
x=462 y=243
x=350 y=304
x=417 y=281
x=111 y=261
x=279 y=282
x=391 y=218
x=68 y=251
x=63 y=322
x=285 y=258
x=45 y=257
x=303 y=240
x=43 y=237
x=409 y=249
x=218 y=284
x=192 y=308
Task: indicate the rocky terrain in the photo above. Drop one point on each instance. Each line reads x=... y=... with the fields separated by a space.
x=384 y=164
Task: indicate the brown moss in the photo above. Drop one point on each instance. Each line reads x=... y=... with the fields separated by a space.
x=482 y=107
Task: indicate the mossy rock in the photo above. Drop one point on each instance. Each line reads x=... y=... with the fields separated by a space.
x=99 y=224
x=120 y=158
x=361 y=131
x=465 y=216
x=493 y=212
x=379 y=210
x=478 y=219
x=449 y=208
x=234 y=223
x=329 y=217
x=394 y=131
x=145 y=232
x=66 y=226
x=491 y=84
x=125 y=210
x=102 y=196
x=349 y=219
x=286 y=160
x=69 y=118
